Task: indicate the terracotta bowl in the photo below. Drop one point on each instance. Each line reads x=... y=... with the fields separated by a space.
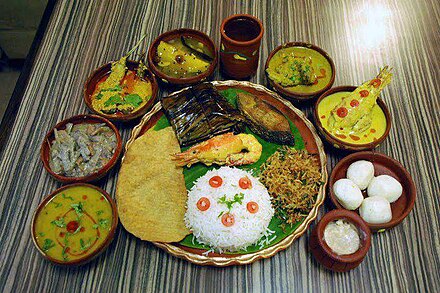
x=324 y=254
x=104 y=70
x=100 y=249
x=47 y=143
x=383 y=165
x=201 y=37
x=297 y=96
x=337 y=143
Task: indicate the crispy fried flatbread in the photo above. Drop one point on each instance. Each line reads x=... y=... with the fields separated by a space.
x=151 y=193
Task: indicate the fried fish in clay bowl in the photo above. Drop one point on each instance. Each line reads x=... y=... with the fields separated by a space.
x=121 y=90
x=222 y=174
x=355 y=118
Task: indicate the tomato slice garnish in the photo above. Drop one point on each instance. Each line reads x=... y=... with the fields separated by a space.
x=342 y=112
x=216 y=181
x=376 y=82
x=203 y=204
x=354 y=103
x=245 y=183
x=252 y=207
x=228 y=220
x=72 y=226
x=364 y=93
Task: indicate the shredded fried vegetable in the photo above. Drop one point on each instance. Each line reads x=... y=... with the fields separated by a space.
x=293 y=179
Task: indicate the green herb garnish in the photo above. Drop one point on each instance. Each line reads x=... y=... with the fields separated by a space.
x=238 y=198
x=41 y=234
x=78 y=207
x=113 y=100
x=48 y=244
x=66 y=197
x=100 y=212
x=95 y=226
x=57 y=204
x=133 y=99
x=83 y=245
x=116 y=88
x=99 y=96
x=103 y=223
x=59 y=223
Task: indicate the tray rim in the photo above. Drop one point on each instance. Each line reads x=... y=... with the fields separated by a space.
x=268 y=252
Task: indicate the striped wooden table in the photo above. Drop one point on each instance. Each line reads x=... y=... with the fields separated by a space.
x=361 y=36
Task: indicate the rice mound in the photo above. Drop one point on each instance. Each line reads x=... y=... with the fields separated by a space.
x=248 y=227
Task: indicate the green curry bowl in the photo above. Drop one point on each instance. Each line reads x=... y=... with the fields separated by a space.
x=74 y=224
x=300 y=71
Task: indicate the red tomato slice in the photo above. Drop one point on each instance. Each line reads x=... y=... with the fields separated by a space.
x=342 y=112
x=252 y=207
x=228 y=220
x=364 y=93
x=354 y=103
x=203 y=204
x=245 y=183
x=376 y=82
x=216 y=181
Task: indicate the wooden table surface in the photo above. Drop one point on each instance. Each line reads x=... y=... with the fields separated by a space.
x=361 y=36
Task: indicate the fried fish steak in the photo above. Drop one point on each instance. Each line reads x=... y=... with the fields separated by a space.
x=150 y=193
x=264 y=119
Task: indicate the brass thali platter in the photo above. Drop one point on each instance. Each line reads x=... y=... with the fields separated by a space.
x=312 y=143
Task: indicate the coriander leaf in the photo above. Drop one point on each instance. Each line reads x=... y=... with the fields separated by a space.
x=95 y=226
x=103 y=223
x=41 y=234
x=99 y=96
x=113 y=100
x=133 y=99
x=59 y=223
x=78 y=207
x=84 y=245
x=57 y=204
x=48 y=244
x=66 y=197
x=99 y=212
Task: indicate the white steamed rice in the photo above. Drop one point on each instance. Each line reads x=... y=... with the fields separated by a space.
x=207 y=225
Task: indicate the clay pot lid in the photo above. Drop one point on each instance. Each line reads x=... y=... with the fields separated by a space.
x=79 y=119
x=336 y=142
x=99 y=249
x=383 y=165
x=104 y=70
x=296 y=96
x=356 y=220
x=201 y=37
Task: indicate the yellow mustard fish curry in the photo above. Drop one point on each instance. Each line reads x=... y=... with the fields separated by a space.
x=355 y=117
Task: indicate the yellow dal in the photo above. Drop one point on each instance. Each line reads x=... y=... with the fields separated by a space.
x=318 y=62
x=96 y=220
x=373 y=133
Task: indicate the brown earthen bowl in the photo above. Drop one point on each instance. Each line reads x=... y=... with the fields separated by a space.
x=324 y=254
x=298 y=96
x=170 y=35
x=105 y=70
x=47 y=143
x=336 y=142
x=99 y=249
x=383 y=165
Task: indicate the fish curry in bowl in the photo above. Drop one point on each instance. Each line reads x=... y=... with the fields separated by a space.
x=121 y=90
x=354 y=118
x=300 y=71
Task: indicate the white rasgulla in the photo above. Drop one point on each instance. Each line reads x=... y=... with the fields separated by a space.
x=348 y=194
x=375 y=210
x=385 y=186
x=361 y=173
